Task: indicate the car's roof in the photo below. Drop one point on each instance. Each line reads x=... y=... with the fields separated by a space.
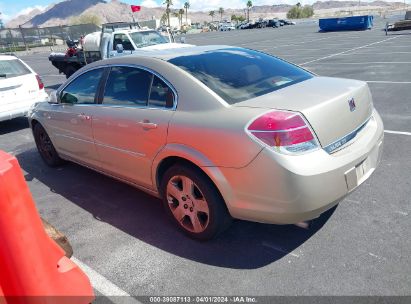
x=7 y=57
x=168 y=54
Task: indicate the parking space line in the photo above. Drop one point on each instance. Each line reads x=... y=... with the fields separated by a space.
x=350 y=50
x=382 y=81
x=101 y=283
x=367 y=62
x=373 y=53
x=307 y=41
x=397 y=132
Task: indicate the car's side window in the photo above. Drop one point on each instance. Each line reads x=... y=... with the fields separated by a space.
x=161 y=95
x=127 y=86
x=82 y=90
x=122 y=39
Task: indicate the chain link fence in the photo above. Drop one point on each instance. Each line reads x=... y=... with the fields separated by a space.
x=25 y=39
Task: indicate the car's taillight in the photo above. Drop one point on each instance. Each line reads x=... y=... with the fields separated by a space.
x=284 y=131
x=40 y=83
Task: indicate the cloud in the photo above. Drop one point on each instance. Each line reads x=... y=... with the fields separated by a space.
x=29 y=9
x=149 y=3
x=11 y=14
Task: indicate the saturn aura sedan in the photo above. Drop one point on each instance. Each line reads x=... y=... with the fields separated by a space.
x=217 y=132
x=20 y=88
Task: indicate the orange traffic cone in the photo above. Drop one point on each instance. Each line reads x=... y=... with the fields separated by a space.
x=33 y=268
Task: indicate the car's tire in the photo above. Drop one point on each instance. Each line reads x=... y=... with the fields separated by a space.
x=70 y=70
x=45 y=147
x=193 y=202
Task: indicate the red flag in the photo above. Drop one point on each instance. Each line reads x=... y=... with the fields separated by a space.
x=135 y=8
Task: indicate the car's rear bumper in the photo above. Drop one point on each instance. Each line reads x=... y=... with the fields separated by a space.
x=10 y=111
x=284 y=189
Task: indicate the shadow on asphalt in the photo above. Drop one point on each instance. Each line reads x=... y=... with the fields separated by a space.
x=13 y=125
x=245 y=245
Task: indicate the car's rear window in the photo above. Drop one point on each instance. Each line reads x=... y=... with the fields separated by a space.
x=12 y=68
x=237 y=74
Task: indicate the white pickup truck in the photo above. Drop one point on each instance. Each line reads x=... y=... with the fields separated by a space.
x=115 y=39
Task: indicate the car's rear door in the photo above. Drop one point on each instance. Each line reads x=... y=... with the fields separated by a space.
x=69 y=121
x=130 y=125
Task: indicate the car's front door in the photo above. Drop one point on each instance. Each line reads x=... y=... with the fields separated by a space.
x=69 y=122
x=130 y=125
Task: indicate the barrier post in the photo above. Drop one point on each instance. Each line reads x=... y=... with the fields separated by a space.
x=34 y=269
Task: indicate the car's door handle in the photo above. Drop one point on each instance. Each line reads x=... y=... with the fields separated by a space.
x=147 y=125
x=84 y=116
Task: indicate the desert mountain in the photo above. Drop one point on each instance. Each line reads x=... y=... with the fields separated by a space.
x=115 y=10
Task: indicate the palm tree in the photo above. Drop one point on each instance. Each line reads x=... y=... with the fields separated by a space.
x=249 y=5
x=163 y=19
x=180 y=16
x=221 y=12
x=177 y=15
x=168 y=3
x=212 y=13
x=186 y=6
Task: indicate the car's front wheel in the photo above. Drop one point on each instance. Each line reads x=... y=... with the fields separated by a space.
x=45 y=147
x=193 y=202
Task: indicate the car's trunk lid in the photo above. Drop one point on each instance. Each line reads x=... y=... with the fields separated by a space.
x=334 y=107
x=18 y=88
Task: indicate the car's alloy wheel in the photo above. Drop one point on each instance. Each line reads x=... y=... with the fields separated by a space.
x=188 y=204
x=45 y=147
x=193 y=202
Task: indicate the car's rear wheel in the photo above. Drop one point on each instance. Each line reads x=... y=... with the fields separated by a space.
x=193 y=202
x=45 y=147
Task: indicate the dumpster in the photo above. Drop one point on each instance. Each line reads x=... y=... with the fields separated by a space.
x=353 y=23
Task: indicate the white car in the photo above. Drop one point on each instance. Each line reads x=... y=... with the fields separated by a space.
x=227 y=27
x=20 y=88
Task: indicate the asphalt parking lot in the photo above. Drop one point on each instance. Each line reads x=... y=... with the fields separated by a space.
x=360 y=248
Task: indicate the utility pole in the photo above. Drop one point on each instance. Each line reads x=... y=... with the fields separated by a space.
x=24 y=39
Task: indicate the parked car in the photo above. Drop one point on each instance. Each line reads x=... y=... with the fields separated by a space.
x=261 y=23
x=226 y=27
x=252 y=137
x=286 y=22
x=20 y=88
x=273 y=23
x=245 y=25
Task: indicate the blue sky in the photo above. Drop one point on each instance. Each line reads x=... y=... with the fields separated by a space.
x=12 y=8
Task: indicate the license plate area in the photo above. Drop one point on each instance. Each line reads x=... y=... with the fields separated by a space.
x=358 y=174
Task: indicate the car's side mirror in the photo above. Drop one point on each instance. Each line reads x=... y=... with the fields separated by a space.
x=182 y=39
x=68 y=98
x=53 y=97
x=119 y=48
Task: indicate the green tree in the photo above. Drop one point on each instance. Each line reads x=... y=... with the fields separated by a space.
x=186 y=6
x=307 y=11
x=249 y=5
x=180 y=16
x=297 y=12
x=234 y=18
x=85 y=18
x=212 y=13
x=240 y=18
x=221 y=12
x=163 y=19
x=168 y=3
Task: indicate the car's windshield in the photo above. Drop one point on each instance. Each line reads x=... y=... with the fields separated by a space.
x=147 y=38
x=237 y=74
x=12 y=68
